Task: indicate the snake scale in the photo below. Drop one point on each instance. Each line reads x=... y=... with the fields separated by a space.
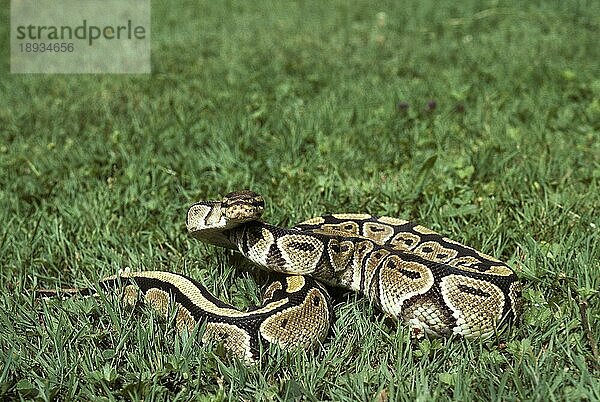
x=438 y=286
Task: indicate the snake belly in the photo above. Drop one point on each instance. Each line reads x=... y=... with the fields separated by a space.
x=413 y=274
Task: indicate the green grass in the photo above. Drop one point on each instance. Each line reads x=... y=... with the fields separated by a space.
x=300 y=102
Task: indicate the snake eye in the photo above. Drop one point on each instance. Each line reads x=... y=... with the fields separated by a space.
x=316 y=300
x=284 y=323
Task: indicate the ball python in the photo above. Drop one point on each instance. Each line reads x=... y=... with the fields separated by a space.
x=438 y=286
x=413 y=274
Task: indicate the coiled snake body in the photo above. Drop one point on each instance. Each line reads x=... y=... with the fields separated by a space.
x=436 y=285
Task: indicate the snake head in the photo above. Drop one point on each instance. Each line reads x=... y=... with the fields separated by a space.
x=243 y=206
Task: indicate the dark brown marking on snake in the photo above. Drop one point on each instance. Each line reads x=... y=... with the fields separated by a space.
x=274 y=256
x=302 y=246
x=473 y=291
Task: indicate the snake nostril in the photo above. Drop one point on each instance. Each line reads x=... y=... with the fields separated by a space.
x=316 y=301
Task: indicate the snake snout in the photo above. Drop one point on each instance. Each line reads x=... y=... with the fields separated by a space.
x=196 y=215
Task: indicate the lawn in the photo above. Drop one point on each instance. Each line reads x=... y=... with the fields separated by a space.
x=480 y=120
